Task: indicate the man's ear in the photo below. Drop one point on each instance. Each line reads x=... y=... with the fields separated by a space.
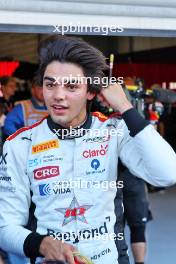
x=90 y=96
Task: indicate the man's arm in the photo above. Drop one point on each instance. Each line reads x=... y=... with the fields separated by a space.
x=15 y=201
x=141 y=148
x=14 y=120
x=145 y=152
x=14 y=198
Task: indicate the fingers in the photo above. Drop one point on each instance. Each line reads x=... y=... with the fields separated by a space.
x=52 y=249
x=68 y=252
x=103 y=101
x=56 y=257
x=57 y=250
x=79 y=260
x=69 y=257
x=71 y=247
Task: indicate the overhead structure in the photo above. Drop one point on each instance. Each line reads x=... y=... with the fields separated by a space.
x=136 y=17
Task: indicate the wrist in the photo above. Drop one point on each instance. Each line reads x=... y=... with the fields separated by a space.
x=44 y=244
x=124 y=107
x=32 y=245
x=134 y=121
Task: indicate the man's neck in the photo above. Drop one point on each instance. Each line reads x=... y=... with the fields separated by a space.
x=82 y=123
x=77 y=122
x=79 y=130
x=38 y=102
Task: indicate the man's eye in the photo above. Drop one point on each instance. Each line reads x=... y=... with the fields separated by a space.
x=49 y=85
x=71 y=87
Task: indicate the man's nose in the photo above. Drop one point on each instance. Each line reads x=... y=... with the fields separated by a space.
x=60 y=92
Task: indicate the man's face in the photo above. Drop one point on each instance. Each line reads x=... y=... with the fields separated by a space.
x=9 y=89
x=66 y=102
x=37 y=93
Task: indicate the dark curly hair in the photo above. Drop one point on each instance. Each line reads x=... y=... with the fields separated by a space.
x=73 y=50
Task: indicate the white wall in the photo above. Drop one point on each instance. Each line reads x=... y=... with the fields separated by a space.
x=131 y=14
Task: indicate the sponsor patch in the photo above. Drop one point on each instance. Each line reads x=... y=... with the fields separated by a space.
x=97 y=139
x=5 y=178
x=48 y=189
x=51 y=144
x=74 y=212
x=95 y=152
x=46 y=172
x=7 y=189
x=3 y=160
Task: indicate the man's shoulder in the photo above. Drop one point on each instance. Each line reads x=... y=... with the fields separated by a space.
x=28 y=101
x=16 y=111
x=25 y=132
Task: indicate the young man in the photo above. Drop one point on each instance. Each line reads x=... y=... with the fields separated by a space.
x=50 y=161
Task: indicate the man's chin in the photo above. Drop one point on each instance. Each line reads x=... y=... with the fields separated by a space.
x=60 y=120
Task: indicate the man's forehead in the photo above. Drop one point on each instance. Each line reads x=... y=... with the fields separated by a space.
x=59 y=69
x=68 y=77
x=12 y=82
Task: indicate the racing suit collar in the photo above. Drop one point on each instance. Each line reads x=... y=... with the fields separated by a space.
x=70 y=133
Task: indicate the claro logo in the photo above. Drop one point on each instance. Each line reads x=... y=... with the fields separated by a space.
x=46 y=172
x=95 y=152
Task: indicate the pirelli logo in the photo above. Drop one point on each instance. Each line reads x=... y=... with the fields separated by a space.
x=51 y=144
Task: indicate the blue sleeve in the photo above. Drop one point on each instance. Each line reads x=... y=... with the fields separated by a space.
x=14 y=120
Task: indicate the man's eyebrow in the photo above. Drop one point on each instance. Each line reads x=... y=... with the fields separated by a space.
x=49 y=78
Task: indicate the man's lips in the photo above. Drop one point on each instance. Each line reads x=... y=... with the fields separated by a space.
x=59 y=109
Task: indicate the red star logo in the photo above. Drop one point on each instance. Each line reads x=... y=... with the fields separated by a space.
x=75 y=212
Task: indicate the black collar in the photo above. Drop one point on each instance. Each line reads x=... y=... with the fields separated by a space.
x=69 y=133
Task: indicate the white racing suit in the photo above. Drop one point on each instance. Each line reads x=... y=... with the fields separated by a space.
x=37 y=160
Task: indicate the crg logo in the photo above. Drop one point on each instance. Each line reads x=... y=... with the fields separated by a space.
x=46 y=172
